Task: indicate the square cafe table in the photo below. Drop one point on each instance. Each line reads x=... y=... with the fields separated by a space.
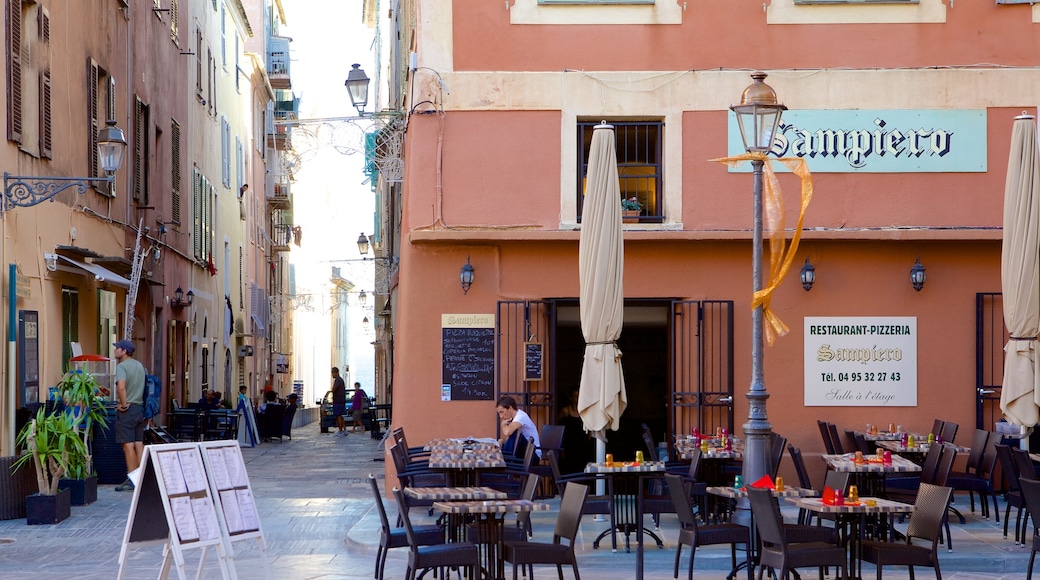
x=464 y=459
x=628 y=483
x=870 y=474
x=854 y=514
x=489 y=527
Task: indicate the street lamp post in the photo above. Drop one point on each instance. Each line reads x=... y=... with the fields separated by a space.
x=758 y=117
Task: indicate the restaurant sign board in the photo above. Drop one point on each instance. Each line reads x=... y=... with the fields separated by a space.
x=860 y=361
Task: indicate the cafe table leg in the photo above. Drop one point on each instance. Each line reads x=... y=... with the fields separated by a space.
x=489 y=542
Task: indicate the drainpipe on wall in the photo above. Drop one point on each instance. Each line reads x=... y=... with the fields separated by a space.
x=12 y=334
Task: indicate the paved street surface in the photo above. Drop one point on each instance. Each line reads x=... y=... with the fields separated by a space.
x=320 y=522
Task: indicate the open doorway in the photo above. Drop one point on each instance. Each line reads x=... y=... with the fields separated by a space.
x=644 y=346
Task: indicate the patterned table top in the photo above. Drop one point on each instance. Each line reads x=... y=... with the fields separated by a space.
x=882 y=436
x=734 y=493
x=477 y=459
x=454 y=493
x=883 y=506
x=896 y=446
x=496 y=506
x=623 y=467
x=684 y=447
x=846 y=463
x=461 y=443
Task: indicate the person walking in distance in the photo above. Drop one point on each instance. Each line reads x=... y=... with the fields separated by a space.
x=357 y=407
x=339 y=402
x=130 y=421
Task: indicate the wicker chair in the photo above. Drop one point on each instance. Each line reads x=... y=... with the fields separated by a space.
x=594 y=504
x=531 y=553
x=825 y=434
x=1031 y=494
x=926 y=524
x=777 y=552
x=438 y=557
x=397 y=537
x=978 y=473
x=693 y=535
x=1013 y=497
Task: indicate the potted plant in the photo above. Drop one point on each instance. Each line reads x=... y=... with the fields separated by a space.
x=50 y=440
x=630 y=209
x=84 y=402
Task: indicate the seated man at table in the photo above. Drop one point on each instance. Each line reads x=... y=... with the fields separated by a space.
x=515 y=421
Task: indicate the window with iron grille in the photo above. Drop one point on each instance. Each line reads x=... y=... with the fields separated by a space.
x=639 y=161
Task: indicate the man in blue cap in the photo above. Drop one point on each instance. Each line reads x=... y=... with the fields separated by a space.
x=130 y=421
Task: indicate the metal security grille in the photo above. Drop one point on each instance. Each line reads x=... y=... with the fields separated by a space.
x=990 y=338
x=639 y=159
x=519 y=322
x=702 y=365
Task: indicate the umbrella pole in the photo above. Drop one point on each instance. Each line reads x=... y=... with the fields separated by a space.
x=601 y=457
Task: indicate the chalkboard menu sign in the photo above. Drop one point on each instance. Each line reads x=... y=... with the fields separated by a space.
x=468 y=356
x=533 y=361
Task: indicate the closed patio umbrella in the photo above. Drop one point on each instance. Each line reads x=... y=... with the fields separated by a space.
x=1020 y=276
x=601 y=398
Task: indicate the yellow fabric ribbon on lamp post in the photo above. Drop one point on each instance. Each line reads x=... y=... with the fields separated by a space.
x=780 y=258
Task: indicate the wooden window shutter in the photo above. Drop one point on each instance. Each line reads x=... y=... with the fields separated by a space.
x=198 y=62
x=140 y=136
x=46 y=126
x=175 y=182
x=174 y=17
x=196 y=212
x=92 y=114
x=14 y=70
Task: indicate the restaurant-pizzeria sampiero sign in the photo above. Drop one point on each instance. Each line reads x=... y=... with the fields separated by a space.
x=860 y=361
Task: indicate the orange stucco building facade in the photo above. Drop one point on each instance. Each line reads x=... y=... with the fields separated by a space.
x=497 y=104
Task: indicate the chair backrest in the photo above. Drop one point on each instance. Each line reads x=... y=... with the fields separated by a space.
x=554 y=465
x=988 y=463
x=837 y=480
x=768 y=520
x=931 y=463
x=681 y=498
x=850 y=441
x=650 y=446
x=978 y=448
x=1026 y=470
x=551 y=437
x=695 y=464
x=826 y=436
x=835 y=441
x=937 y=427
x=1007 y=465
x=529 y=449
x=571 y=507
x=400 y=464
x=861 y=443
x=949 y=432
x=799 y=467
x=777 y=453
x=520 y=449
x=379 y=503
x=1031 y=495
x=929 y=510
x=942 y=471
x=402 y=510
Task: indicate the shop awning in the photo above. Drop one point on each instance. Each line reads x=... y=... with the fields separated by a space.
x=100 y=274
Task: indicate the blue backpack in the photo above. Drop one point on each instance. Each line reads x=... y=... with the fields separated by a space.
x=152 y=396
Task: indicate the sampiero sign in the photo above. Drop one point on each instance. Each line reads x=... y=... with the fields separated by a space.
x=878 y=141
x=860 y=361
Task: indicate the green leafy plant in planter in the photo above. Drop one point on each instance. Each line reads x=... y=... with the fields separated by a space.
x=84 y=400
x=631 y=204
x=51 y=442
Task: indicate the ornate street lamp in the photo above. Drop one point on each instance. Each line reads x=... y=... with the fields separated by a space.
x=758 y=116
x=363 y=244
x=357 y=86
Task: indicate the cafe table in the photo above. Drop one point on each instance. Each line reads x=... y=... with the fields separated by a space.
x=629 y=479
x=490 y=523
x=713 y=460
x=464 y=459
x=854 y=515
x=870 y=473
x=456 y=525
x=919 y=448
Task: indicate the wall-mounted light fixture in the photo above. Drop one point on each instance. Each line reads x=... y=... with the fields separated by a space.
x=27 y=191
x=51 y=261
x=362 y=298
x=808 y=275
x=357 y=86
x=917 y=275
x=363 y=244
x=180 y=300
x=366 y=324
x=466 y=276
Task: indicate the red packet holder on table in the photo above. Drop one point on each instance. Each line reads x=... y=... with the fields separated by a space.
x=765 y=482
x=827 y=498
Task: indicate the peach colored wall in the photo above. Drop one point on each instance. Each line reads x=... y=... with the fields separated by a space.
x=484 y=40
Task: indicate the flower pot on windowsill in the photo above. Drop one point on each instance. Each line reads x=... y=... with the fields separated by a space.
x=630 y=216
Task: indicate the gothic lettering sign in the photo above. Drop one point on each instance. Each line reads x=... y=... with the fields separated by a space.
x=860 y=361
x=878 y=141
x=468 y=357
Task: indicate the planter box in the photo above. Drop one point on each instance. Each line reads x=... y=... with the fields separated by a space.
x=13 y=489
x=48 y=509
x=630 y=216
x=84 y=491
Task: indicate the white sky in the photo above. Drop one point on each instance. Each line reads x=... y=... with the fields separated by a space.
x=331 y=203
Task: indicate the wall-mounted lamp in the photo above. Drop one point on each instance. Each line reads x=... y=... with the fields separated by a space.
x=362 y=298
x=366 y=324
x=363 y=244
x=179 y=300
x=27 y=191
x=808 y=275
x=357 y=86
x=466 y=276
x=51 y=261
x=917 y=275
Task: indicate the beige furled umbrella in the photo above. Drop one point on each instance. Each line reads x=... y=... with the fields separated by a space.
x=602 y=398
x=1020 y=276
